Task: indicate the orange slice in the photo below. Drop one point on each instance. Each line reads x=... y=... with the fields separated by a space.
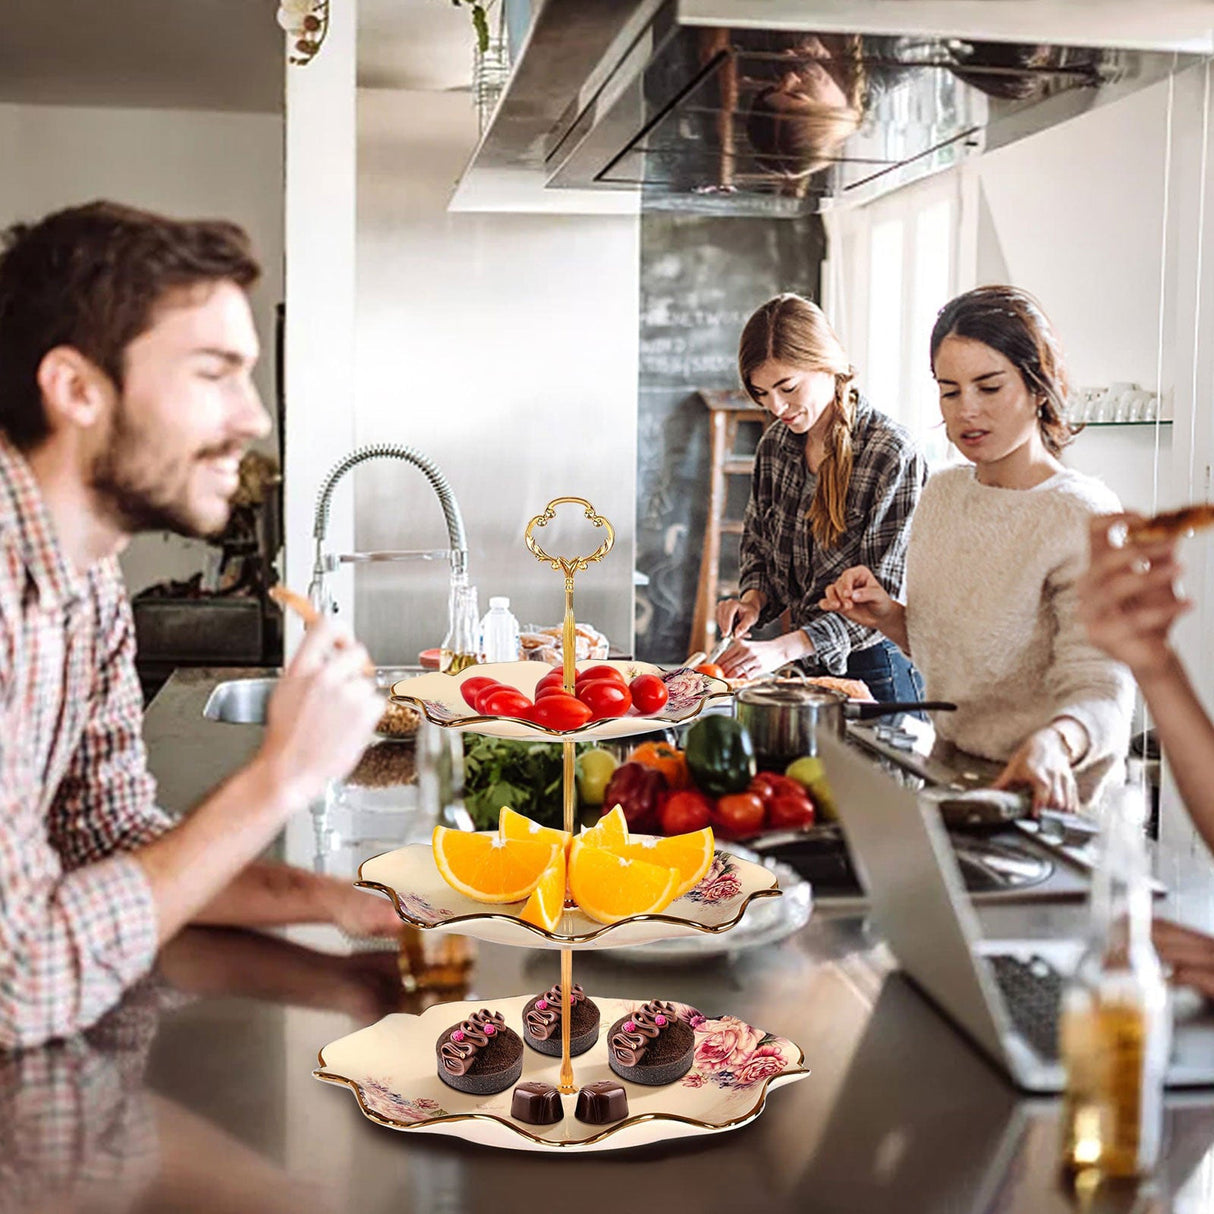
x=610 y=887
x=547 y=902
x=611 y=829
x=511 y=825
x=690 y=855
x=487 y=868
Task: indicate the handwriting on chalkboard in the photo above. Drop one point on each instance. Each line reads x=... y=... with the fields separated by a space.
x=701 y=278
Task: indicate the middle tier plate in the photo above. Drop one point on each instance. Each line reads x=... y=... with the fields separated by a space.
x=410 y=878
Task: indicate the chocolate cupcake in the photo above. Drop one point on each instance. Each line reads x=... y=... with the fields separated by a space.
x=542 y=1022
x=480 y=1055
x=651 y=1046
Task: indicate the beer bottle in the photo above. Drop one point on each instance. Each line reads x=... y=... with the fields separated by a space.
x=1116 y=1016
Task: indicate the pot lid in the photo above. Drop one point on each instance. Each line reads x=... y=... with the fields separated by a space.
x=788 y=692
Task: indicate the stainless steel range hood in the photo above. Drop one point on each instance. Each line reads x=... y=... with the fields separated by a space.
x=784 y=107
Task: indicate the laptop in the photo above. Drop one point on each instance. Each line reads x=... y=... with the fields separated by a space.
x=1005 y=995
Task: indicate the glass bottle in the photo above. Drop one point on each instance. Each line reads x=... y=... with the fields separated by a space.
x=499 y=632
x=1116 y=1017
x=459 y=648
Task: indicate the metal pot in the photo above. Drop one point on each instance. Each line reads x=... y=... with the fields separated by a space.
x=785 y=717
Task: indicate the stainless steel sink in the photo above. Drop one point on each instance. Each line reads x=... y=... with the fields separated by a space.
x=243 y=701
x=240 y=701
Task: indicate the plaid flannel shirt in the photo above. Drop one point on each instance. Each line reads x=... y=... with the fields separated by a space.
x=779 y=555
x=77 y=919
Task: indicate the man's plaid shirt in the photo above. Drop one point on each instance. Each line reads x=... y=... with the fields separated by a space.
x=779 y=555
x=77 y=920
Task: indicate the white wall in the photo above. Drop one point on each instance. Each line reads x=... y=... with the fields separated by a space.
x=1075 y=214
x=182 y=162
x=505 y=348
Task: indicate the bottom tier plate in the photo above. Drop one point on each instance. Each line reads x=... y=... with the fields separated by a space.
x=390 y=1068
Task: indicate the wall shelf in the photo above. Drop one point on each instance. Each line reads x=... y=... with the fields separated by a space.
x=1165 y=421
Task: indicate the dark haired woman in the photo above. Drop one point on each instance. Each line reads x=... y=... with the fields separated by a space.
x=995 y=550
x=835 y=484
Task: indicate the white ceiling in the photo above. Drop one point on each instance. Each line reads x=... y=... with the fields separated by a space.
x=209 y=54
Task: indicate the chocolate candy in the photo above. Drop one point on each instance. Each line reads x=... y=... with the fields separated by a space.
x=599 y=1103
x=536 y=1103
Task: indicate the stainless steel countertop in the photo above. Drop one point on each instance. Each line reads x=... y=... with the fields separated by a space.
x=197 y=1094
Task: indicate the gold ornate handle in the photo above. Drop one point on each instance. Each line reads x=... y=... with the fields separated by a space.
x=569 y=565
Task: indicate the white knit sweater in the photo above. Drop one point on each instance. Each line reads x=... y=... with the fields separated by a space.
x=992 y=620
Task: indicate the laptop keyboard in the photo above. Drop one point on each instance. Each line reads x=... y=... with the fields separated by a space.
x=1032 y=993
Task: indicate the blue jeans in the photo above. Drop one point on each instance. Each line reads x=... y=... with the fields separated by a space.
x=887 y=671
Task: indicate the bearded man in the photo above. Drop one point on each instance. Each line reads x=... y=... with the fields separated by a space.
x=126 y=401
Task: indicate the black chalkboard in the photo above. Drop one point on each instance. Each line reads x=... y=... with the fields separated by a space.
x=701 y=277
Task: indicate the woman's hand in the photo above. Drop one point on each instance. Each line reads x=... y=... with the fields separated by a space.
x=737 y=617
x=858 y=596
x=1190 y=955
x=1042 y=765
x=749 y=659
x=1128 y=597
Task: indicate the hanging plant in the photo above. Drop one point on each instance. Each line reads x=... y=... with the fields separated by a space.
x=480 y=20
x=306 y=23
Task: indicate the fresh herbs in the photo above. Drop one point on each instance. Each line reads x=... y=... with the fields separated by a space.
x=526 y=776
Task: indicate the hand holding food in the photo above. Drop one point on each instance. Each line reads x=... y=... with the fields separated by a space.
x=322 y=713
x=859 y=596
x=1128 y=597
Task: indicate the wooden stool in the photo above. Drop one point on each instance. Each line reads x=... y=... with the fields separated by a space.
x=726 y=412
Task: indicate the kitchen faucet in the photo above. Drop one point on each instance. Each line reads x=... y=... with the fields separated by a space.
x=325 y=563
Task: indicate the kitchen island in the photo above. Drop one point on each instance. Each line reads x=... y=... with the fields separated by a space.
x=197 y=1093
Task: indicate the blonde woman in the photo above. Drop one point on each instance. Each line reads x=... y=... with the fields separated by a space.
x=834 y=486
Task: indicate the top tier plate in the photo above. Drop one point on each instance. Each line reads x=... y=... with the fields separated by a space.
x=438 y=697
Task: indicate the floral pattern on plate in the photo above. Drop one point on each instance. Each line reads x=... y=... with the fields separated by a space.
x=439 y=698
x=390 y=1068
x=720 y=884
x=409 y=877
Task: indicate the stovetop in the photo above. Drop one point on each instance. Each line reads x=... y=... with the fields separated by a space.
x=1011 y=861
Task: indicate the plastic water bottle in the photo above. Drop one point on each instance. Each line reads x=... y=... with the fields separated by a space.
x=499 y=632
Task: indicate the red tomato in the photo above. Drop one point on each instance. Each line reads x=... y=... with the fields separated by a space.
x=783 y=786
x=504 y=702
x=553 y=689
x=648 y=693
x=605 y=697
x=601 y=671
x=554 y=678
x=479 y=698
x=789 y=812
x=559 y=711
x=684 y=812
x=763 y=788
x=471 y=688
x=739 y=814
x=711 y=668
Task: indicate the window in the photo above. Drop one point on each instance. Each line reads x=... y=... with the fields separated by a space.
x=892 y=266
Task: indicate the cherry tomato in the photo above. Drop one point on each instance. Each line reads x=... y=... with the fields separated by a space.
x=684 y=812
x=553 y=689
x=471 y=688
x=711 y=668
x=648 y=693
x=790 y=812
x=479 y=697
x=554 y=678
x=763 y=788
x=605 y=697
x=739 y=814
x=504 y=702
x=559 y=711
x=601 y=671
